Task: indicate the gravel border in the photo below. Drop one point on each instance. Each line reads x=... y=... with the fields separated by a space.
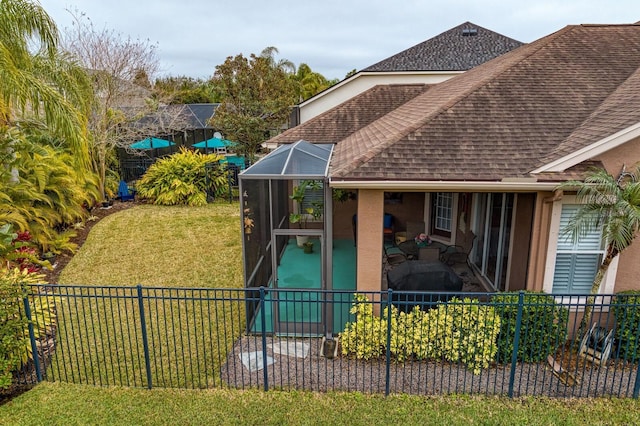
x=317 y=373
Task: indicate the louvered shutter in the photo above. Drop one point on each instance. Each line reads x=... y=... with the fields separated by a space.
x=576 y=261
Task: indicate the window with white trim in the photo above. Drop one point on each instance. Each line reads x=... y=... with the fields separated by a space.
x=442 y=211
x=576 y=261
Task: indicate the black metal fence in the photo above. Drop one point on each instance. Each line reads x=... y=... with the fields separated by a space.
x=512 y=344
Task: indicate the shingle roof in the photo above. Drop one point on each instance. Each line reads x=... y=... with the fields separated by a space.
x=502 y=119
x=352 y=115
x=197 y=115
x=458 y=49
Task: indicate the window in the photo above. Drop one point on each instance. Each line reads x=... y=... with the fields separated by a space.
x=442 y=214
x=576 y=261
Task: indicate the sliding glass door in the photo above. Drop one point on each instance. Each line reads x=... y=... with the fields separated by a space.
x=493 y=215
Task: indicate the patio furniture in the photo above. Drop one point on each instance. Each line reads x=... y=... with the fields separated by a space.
x=457 y=253
x=124 y=193
x=429 y=254
x=415 y=276
x=388 y=227
x=412 y=251
x=393 y=255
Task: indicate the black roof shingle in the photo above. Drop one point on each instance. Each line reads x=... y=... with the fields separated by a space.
x=458 y=49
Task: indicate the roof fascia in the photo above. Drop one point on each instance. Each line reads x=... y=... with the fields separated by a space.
x=372 y=73
x=515 y=185
x=588 y=152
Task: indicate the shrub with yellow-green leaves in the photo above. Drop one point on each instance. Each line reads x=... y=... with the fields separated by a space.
x=458 y=331
x=364 y=338
x=469 y=333
x=184 y=178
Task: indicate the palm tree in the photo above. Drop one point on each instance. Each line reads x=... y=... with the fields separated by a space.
x=611 y=204
x=40 y=82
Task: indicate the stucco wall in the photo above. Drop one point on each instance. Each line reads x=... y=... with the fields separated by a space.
x=359 y=83
x=520 y=242
x=539 y=240
x=370 y=210
x=629 y=267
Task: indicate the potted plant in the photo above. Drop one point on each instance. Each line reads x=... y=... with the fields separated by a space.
x=308 y=247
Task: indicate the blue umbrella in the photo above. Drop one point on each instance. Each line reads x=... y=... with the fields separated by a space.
x=213 y=143
x=151 y=143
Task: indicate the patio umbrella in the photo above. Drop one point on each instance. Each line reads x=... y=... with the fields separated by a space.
x=214 y=143
x=151 y=143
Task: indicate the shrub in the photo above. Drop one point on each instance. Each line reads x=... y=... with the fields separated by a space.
x=364 y=338
x=626 y=310
x=459 y=331
x=184 y=178
x=15 y=346
x=543 y=327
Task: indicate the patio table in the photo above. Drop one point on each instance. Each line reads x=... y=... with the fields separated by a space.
x=412 y=250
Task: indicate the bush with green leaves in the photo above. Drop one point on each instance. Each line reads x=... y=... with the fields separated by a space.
x=365 y=338
x=43 y=190
x=543 y=328
x=626 y=310
x=15 y=345
x=184 y=178
x=458 y=331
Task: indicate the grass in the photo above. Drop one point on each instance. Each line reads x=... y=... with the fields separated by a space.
x=64 y=404
x=99 y=337
x=164 y=247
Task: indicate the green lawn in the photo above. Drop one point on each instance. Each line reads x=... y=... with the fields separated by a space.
x=164 y=247
x=99 y=339
x=63 y=404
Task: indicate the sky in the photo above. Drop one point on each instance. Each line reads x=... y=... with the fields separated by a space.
x=333 y=37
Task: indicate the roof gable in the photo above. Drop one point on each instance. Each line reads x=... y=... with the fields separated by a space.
x=458 y=49
x=500 y=119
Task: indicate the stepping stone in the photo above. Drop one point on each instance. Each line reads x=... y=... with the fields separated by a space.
x=254 y=361
x=291 y=349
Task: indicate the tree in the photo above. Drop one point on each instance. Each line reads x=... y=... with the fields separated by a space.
x=257 y=94
x=115 y=63
x=184 y=90
x=37 y=81
x=310 y=82
x=612 y=205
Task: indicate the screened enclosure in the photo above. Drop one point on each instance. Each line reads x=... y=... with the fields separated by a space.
x=286 y=200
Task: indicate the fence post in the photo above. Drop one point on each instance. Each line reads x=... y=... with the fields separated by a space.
x=636 y=386
x=516 y=343
x=145 y=342
x=32 y=338
x=265 y=373
x=387 y=379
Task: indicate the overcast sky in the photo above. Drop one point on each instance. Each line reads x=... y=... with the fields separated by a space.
x=331 y=36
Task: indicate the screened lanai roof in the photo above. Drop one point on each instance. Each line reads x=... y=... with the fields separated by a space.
x=301 y=159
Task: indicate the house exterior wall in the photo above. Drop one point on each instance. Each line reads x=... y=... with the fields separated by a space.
x=361 y=82
x=369 y=242
x=628 y=271
x=539 y=240
x=520 y=244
